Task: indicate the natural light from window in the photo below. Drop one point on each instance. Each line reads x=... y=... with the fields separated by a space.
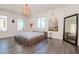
x=20 y=24
x=3 y=23
x=41 y=22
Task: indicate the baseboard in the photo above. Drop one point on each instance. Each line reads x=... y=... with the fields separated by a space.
x=6 y=37
x=56 y=38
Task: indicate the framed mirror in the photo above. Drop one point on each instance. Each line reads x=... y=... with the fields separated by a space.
x=70 y=33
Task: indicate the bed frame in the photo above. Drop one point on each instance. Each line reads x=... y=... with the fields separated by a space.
x=32 y=41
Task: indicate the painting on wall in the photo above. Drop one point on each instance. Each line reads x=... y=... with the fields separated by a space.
x=53 y=24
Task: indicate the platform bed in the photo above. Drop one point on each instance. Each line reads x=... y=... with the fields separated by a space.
x=27 y=38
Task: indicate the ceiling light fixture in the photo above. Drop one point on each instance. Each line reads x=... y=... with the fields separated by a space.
x=26 y=10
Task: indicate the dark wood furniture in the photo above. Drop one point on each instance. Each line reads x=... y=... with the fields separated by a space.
x=67 y=34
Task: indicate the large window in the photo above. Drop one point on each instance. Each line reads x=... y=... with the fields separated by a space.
x=20 y=24
x=3 y=23
x=41 y=22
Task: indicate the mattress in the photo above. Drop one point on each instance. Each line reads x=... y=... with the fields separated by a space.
x=29 y=35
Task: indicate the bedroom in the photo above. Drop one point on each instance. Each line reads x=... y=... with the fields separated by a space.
x=16 y=23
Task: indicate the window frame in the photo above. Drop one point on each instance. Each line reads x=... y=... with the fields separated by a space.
x=40 y=20
x=4 y=17
x=23 y=24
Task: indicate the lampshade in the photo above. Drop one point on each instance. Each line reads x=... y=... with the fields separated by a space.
x=26 y=10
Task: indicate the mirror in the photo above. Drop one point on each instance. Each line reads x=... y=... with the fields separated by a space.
x=71 y=29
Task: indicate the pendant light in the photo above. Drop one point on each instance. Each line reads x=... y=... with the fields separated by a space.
x=26 y=10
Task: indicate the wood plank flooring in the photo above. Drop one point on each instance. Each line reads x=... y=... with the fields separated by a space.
x=53 y=46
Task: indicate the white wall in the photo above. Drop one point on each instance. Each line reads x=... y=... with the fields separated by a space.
x=66 y=11
x=48 y=15
x=33 y=19
x=59 y=13
x=12 y=27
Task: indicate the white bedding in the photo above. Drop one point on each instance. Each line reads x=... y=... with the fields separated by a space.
x=30 y=35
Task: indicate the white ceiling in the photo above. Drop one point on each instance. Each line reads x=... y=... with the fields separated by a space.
x=35 y=8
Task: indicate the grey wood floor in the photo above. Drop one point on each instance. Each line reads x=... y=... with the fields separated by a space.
x=53 y=46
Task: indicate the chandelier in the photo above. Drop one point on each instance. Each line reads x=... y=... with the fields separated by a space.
x=26 y=10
